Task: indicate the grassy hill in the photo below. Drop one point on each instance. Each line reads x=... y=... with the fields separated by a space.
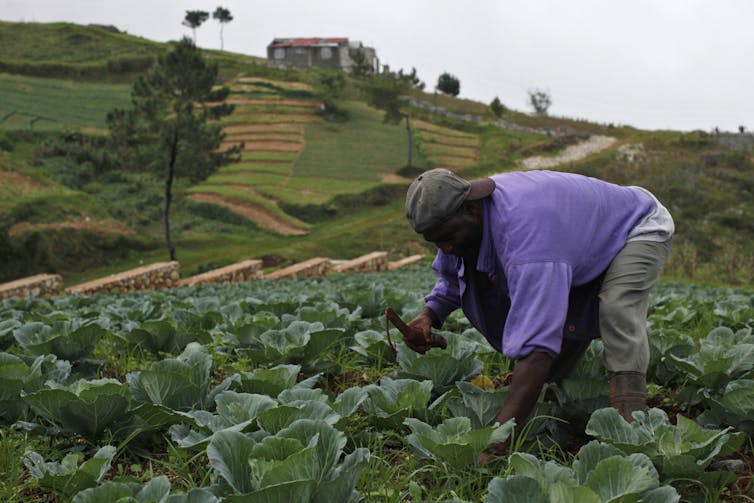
x=305 y=186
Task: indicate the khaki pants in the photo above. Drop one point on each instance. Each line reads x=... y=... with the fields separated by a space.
x=624 y=300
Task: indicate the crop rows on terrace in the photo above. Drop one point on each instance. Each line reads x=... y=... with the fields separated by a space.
x=288 y=391
x=448 y=148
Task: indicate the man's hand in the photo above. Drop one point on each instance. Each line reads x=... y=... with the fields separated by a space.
x=421 y=328
x=421 y=331
x=491 y=452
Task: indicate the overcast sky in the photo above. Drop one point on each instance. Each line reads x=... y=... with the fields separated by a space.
x=651 y=64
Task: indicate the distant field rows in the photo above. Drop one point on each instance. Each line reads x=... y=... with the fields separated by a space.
x=248 y=83
x=273 y=102
x=461 y=141
x=436 y=149
x=254 y=128
x=448 y=148
x=271 y=136
x=56 y=104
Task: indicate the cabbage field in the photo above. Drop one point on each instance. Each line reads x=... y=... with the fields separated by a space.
x=287 y=391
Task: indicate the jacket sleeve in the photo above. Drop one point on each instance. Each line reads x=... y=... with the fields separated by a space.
x=539 y=305
x=445 y=297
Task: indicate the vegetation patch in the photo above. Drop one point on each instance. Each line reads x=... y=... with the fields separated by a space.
x=53 y=104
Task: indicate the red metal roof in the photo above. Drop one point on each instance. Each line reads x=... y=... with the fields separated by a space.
x=307 y=42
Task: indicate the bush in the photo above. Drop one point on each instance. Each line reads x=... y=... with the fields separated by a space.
x=497 y=107
x=448 y=84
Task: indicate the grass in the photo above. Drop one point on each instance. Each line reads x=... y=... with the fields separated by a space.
x=362 y=148
x=269 y=156
x=279 y=168
x=44 y=104
x=69 y=43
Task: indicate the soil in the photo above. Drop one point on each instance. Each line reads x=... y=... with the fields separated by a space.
x=100 y=227
x=256 y=213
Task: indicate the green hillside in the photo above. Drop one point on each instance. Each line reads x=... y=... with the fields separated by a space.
x=305 y=185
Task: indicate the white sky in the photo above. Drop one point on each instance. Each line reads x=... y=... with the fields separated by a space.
x=651 y=64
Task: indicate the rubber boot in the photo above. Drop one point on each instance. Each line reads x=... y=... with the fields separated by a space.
x=628 y=392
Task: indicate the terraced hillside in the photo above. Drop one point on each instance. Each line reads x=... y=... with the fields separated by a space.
x=294 y=158
x=448 y=148
x=270 y=124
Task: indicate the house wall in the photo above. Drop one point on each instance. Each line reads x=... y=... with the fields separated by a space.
x=304 y=57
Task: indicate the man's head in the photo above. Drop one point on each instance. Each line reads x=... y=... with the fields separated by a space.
x=444 y=208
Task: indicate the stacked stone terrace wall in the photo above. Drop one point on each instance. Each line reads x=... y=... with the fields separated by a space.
x=33 y=286
x=246 y=270
x=318 y=266
x=371 y=262
x=404 y=261
x=149 y=277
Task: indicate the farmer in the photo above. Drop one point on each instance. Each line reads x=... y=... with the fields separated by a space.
x=542 y=262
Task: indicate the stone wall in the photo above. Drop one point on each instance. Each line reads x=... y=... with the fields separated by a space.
x=404 y=261
x=33 y=286
x=241 y=271
x=735 y=141
x=317 y=266
x=149 y=277
x=371 y=262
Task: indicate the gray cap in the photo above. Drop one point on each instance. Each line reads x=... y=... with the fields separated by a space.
x=437 y=194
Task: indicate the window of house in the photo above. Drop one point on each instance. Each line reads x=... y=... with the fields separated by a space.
x=279 y=53
x=300 y=50
x=325 y=53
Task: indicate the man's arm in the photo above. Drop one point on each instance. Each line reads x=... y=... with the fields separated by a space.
x=529 y=376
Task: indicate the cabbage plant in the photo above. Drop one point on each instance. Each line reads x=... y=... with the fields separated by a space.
x=164 y=336
x=271 y=381
x=458 y=362
x=454 y=441
x=70 y=339
x=156 y=490
x=373 y=346
x=86 y=407
x=397 y=399
x=599 y=473
x=180 y=383
x=252 y=412
x=18 y=377
x=303 y=462
x=481 y=406
x=680 y=452
x=67 y=477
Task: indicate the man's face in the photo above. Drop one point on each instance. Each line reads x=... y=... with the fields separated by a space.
x=461 y=235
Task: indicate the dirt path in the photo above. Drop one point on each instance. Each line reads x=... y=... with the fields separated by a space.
x=592 y=145
x=256 y=213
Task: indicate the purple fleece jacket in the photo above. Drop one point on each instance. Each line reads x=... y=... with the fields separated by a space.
x=543 y=233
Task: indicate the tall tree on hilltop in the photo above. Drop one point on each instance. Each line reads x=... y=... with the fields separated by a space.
x=222 y=15
x=169 y=128
x=194 y=19
x=540 y=101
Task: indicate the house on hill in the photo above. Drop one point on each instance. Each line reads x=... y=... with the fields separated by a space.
x=331 y=53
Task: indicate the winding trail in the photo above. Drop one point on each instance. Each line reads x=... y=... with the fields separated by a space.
x=573 y=153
